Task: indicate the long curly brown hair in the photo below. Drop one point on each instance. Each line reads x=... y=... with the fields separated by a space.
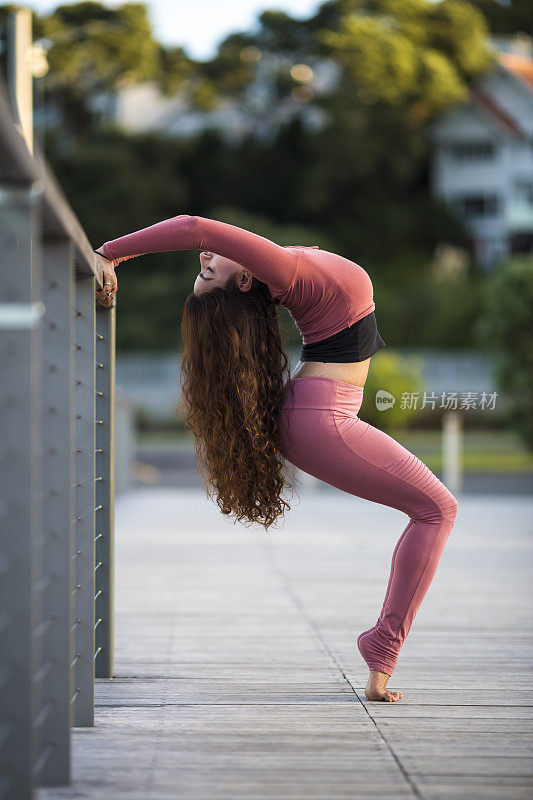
x=234 y=371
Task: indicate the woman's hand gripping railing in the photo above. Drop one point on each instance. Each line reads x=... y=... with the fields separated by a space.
x=106 y=296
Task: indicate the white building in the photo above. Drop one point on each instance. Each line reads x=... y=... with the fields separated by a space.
x=482 y=155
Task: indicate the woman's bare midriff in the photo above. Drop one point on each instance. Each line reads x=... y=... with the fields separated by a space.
x=352 y=372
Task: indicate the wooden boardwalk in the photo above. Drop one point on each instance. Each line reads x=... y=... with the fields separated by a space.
x=238 y=676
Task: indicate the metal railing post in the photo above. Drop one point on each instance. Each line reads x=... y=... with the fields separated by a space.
x=105 y=489
x=451 y=451
x=84 y=449
x=19 y=73
x=58 y=480
x=21 y=575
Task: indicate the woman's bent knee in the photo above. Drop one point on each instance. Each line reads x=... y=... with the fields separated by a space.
x=451 y=508
x=440 y=509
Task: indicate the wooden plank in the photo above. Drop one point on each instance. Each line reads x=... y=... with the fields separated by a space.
x=237 y=674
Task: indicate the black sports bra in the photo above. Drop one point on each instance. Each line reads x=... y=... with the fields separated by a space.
x=355 y=343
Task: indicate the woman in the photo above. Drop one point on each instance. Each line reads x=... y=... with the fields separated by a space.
x=246 y=420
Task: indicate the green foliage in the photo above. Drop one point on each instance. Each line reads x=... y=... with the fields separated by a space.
x=92 y=49
x=228 y=71
x=173 y=69
x=416 y=54
x=394 y=374
x=506 y=330
x=119 y=183
x=417 y=305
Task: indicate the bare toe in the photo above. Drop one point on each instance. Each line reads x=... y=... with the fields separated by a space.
x=385 y=696
x=392 y=697
x=376 y=688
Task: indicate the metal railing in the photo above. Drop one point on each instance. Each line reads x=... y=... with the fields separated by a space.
x=57 y=469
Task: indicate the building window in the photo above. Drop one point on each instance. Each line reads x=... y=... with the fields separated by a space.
x=524 y=191
x=472 y=151
x=474 y=206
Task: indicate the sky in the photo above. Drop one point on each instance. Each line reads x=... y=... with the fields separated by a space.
x=199 y=25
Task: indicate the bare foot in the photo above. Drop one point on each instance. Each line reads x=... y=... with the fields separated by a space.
x=376 y=687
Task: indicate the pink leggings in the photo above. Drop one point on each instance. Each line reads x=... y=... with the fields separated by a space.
x=323 y=436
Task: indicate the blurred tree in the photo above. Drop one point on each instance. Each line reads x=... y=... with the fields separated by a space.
x=117 y=184
x=507 y=16
x=174 y=69
x=417 y=55
x=395 y=375
x=439 y=312
x=505 y=329
x=92 y=49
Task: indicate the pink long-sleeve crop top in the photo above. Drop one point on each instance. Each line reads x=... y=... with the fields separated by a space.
x=324 y=293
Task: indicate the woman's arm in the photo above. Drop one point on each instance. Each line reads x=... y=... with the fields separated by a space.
x=269 y=262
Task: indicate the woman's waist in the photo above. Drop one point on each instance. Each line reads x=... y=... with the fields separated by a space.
x=323 y=393
x=354 y=372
